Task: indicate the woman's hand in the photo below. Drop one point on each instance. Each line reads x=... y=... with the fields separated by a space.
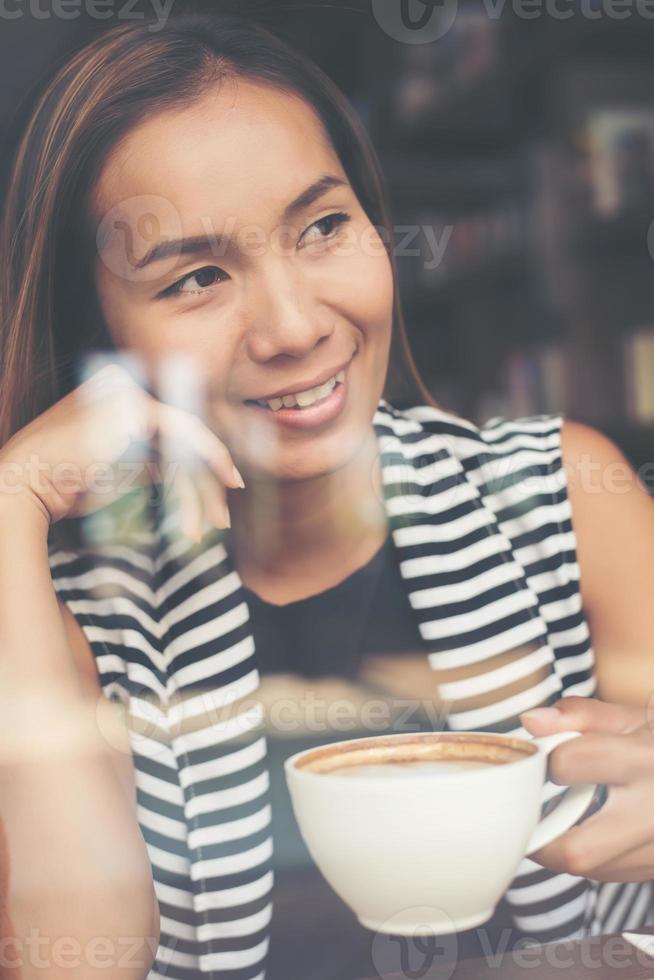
x=68 y=460
x=616 y=748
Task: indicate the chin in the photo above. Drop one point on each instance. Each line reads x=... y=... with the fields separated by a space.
x=282 y=451
x=311 y=469
x=314 y=456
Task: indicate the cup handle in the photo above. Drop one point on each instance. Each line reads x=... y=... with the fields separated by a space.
x=572 y=805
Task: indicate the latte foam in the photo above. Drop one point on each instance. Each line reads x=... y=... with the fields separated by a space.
x=409 y=769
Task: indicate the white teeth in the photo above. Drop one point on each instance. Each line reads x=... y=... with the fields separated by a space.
x=325 y=389
x=304 y=398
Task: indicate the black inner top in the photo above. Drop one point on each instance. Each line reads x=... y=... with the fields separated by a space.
x=314 y=936
x=328 y=634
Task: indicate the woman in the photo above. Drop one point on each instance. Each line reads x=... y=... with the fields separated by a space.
x=203 y=196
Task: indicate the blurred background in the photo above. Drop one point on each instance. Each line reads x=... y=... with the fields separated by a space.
x=517 y=137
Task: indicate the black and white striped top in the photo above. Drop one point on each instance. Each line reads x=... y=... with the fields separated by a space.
x=481 y=521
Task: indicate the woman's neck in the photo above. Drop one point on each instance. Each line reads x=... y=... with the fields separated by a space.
x=299 y=537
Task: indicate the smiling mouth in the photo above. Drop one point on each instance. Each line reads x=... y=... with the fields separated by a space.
x=301 y=399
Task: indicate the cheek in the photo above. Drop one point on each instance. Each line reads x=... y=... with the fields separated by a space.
x=155 y=336
x=372 y=290
x=130 y=327
x=375 y=314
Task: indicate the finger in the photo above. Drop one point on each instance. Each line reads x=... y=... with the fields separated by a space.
x=620 y=826
x=188 y=433
x=112 y=412
x=599 y=758
x=585 y=715
x=182 y=440
x=109 y=379
x=635 y=865
x=191 y=514
x=213 y=497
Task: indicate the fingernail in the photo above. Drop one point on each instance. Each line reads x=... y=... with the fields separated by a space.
x=238 y=478
x=541 y=714
x=228 y=522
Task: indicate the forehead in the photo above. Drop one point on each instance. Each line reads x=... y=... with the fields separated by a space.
x=241 y=149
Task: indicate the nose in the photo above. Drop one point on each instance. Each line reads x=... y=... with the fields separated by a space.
x=288 y=319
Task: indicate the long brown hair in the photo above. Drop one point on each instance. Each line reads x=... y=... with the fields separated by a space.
x=48 y=308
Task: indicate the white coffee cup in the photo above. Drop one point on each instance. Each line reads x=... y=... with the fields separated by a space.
x=427 y=847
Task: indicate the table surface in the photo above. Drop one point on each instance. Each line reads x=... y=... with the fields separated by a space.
x=605 y=957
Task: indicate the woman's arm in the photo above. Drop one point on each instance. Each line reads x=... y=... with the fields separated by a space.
x=613 y=518
x=81 y=901
x=118 y=747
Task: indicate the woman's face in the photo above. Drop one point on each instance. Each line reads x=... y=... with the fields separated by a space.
x=267 y=299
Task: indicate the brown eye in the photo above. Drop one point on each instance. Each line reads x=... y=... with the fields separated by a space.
x=328 y=225
x=195 y=282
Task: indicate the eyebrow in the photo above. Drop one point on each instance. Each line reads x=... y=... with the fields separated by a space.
x=199 y=243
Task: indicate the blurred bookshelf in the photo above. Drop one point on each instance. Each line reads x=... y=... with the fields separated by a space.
x=521 y=154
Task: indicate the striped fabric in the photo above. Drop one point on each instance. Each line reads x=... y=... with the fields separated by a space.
x=481 y=521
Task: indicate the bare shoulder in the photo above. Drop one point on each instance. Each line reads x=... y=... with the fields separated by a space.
x=610 y=504
x=601 y=481
x=580 y=442
x=613 y=522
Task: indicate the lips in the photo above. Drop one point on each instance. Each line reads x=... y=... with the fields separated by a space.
x=302 y=399
x=322 y=409
x=295 y=389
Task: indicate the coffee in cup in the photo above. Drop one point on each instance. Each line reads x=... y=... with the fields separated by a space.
x=432 y=820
